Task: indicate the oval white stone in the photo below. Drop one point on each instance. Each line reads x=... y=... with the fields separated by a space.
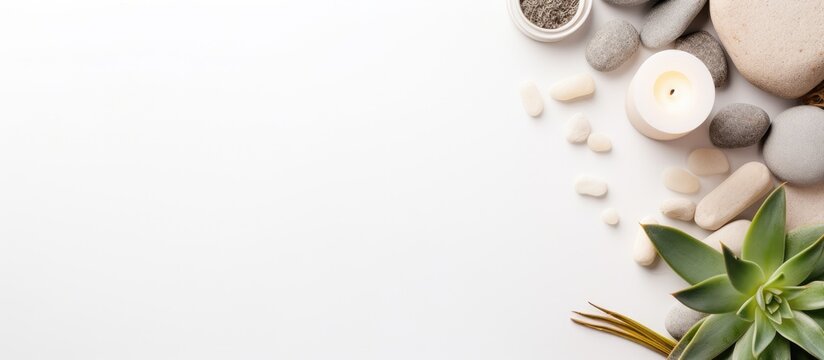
x=590 y=186
x=598 y=142
x=740 y=190
x=610 y=216
x=681 y=180
x=678 y=208
x=731 y=235
x=708 y=161
x=578 y=129
x=573 y=87
x=531 y=99
x=643 y=252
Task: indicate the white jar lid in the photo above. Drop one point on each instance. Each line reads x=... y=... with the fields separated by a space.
x=538 y=33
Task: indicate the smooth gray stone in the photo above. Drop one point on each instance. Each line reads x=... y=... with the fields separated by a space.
x=794 y=149
x=738 y=125
x=667 y=20
x=626 y=2
x=705 y=47
x=612 y=45
x=680 y=319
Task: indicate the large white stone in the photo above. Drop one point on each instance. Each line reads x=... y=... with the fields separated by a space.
x=743 y=188
x=776 y=45
x=805 y=205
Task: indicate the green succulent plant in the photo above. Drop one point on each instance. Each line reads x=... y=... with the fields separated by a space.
x=766 y=304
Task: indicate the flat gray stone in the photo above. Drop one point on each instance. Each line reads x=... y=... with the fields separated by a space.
x=612 y=45
x=794 y=149
x=626 y=2
x=680 y=319
x=667 y=20
x=705 y=47
x=738 y=125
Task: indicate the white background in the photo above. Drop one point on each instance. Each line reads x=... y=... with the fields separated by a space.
x=314 y=180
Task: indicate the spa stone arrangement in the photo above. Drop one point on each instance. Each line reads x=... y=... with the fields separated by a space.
x=757 y=284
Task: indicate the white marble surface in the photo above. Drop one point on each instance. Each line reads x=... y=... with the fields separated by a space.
x=315 y=180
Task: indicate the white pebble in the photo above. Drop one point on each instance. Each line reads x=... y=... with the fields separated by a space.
x=678 y=208
x=573 y=87
x=743 y=188
x=598 y=142
x=590 y=186
x=610 y=216
x=643 y=251
x=578 y=129
x=708 y=161
x=681 y=180
x=531 y=98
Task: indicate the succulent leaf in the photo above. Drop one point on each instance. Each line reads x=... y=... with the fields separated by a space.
x=747 y=311
x=743 y=348
x=716 y=334
x=715 y=295
x=685 y=340
x=811 y=297
x=804 y=332
x=779 y=349
x=764 y=242
x=689 y=257
x=799 y=267
x=801 y=238
x=744 y=275
x=763 y=334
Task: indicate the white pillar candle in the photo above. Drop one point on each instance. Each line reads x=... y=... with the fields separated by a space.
x=671 y=94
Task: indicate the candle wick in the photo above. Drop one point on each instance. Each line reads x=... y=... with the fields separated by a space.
x=672 y=91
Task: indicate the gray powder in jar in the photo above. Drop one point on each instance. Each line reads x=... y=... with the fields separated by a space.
x=549 y=14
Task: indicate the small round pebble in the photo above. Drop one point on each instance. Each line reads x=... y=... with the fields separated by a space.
x=612 y=45
x=680 y=180
x=708 y=161
x=738 y=125
x=667 y=20
x=578 y=129
x=599 y=143
x=531 y=99
x=590 y=186
x=680 y=319
x=706 y=48
x=610 y=216
x=794 y=150
x=678 y=208
x=573 y=87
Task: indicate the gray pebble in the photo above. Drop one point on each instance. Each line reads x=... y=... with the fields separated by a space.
x=612 y=45
x=794 y=149
x=626 y=2
x=667 y=20
x=705 y=47
x=738 y=125
x=680 y=319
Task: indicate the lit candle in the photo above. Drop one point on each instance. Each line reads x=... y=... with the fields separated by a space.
x=671 y=94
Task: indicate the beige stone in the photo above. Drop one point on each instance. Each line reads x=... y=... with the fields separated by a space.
x=531 y=99
x=743 y=188
x=577 y=129
x=708 y=161
x=573 y=87
x=731 y=235
x=643 y=251
x=598 y=142
x=681 y=180
x=610 y=216
x=805 y=205
x=590 y=186
x=678 y=208
x=776 y=45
